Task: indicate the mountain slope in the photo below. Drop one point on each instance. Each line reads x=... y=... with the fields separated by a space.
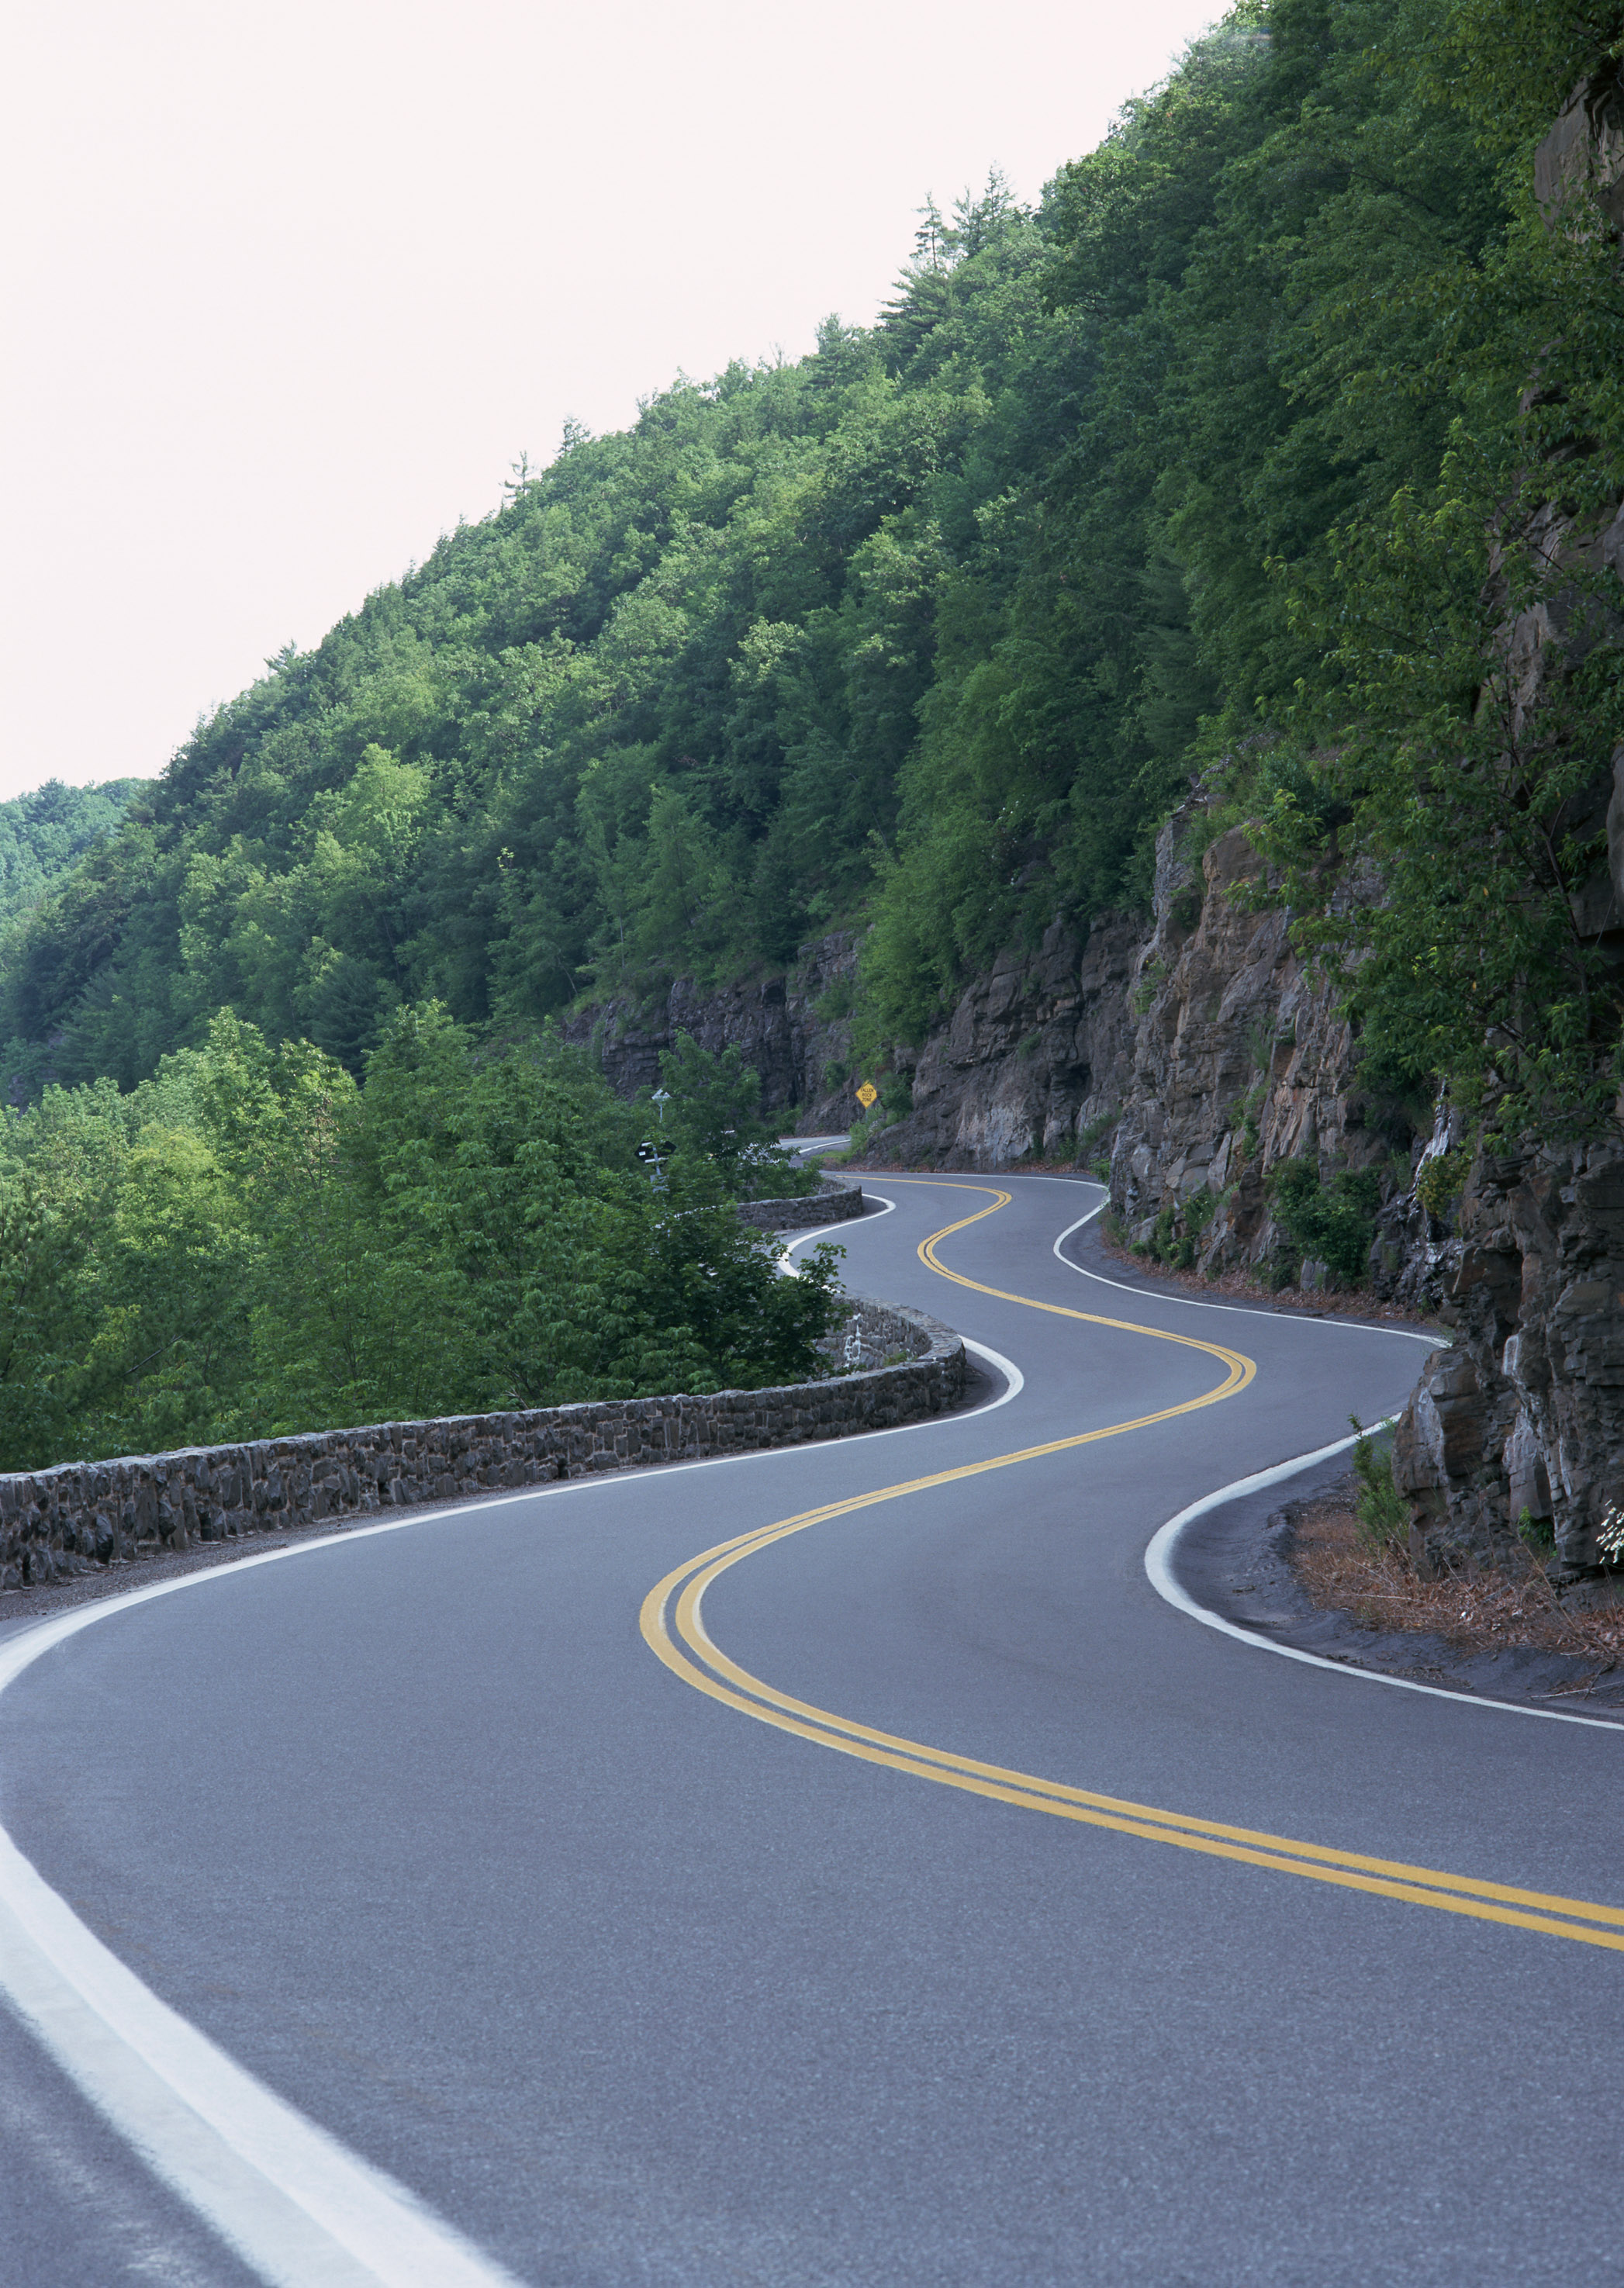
x=44 y=835
x=926 y=632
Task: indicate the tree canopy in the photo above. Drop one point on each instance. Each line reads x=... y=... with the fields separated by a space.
x=923 y=634
x=249 y=1243
x=43 y=835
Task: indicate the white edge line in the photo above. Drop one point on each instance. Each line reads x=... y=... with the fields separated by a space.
x=1158 y=1556
x=886 y=1207
x=297 y=2206
x=1014 y=1379
x=1244 y=1310
x=1161 y=1555
x=1013 y=1376
x=300 y=2209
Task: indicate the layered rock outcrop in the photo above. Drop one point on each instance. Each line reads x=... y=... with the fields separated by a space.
x=1038 y=1053
x=1520 y=1424
x=1241 y=1059
x=793 y=1030
x=1195 y=1051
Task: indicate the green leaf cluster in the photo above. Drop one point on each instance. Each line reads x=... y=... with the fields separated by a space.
x=1331 y=1223
x=253 y=1243
x=43 y=835
x=1383 y=1513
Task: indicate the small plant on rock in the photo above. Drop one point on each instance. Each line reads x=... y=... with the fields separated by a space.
x=1383 y=1513
x=838 y=1001
x=1538 y=1534
x=1251 y=1120
x=1442 y=1178
x=1152 y=980
x=1334 y=1222
x=1088 y=1142
x=895 y=1096
x=1175 y=1237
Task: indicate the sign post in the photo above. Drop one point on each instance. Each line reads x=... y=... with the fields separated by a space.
x=648 y=1153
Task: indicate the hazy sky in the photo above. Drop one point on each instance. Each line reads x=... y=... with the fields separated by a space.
x=288 y=287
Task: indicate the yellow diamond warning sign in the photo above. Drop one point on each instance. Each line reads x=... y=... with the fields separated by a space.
x=867 y=1094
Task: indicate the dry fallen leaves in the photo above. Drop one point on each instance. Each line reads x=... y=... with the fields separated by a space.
x=1477 y=1609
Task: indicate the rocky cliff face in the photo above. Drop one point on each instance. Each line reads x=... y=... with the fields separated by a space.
x=1523 y=1419
x=1191 y=1048
x=1034 y=1060
x=1240 y=1060
x=793 y=1031
x=1520 y=1424
x=1524 y=1413
x=1197 y=1050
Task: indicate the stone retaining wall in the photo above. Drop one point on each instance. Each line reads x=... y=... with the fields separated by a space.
x=80 y=1516
x=833 y=1204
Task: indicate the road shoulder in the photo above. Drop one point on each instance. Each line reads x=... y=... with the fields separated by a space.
x=1235 y=1561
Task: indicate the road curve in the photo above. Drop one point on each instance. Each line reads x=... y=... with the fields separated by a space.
x=837 y=1868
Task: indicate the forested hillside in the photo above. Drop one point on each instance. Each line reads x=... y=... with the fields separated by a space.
x=43 y=835
x=1196 y=461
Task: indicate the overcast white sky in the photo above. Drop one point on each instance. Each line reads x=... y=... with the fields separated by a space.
x=288 y=287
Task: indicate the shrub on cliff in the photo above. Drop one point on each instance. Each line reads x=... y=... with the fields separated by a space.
x=1333 y=1223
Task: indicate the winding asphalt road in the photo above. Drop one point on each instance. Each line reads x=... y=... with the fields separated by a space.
x=932 y=1904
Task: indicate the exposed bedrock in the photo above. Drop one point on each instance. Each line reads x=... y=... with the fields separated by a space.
x=1037 y=1051
x=1240 y=1059
x=792 y=1030
x=1520 y=1422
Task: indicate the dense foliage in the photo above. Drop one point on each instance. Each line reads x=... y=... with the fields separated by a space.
x=930 y=626
x=1466 y=697
x=251 y=1243
x=43 y=835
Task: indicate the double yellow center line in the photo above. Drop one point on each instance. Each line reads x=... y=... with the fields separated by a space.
x=672 y=1621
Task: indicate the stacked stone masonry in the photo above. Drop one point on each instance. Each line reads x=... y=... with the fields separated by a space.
x=834 y=1203
x=80 y=1516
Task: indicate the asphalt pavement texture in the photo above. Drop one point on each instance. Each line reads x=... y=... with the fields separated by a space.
x=634 y=1989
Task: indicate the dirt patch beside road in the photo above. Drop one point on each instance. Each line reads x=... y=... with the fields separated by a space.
x=1476 y=1610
